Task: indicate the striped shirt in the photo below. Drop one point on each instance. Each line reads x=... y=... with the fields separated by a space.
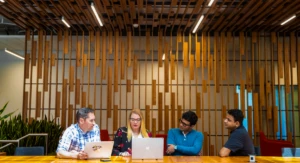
x=74 y=138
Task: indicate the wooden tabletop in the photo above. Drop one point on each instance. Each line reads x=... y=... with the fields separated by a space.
x=167 y=159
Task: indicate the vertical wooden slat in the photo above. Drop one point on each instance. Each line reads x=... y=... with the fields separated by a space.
x=286 y=67
x=204 y=49
x=53 y=58
x=185 y=54
x=293 y=49
x=38 y=105
x=205 y=144
x=129 y=42
x=192 y=73
x=25 y=105
x=160 y=48
x=115 y=118
x=173 y=120
x=135 y=67
x=223 y=56
x=116 y=62
x=179 y=111
x=57 y=104
x=236 y=100
x=70 y=115
x=216 y=63
x=166 y=128
x=242 y=43
x=78 y=53
x=97 y=48
x=66 y=41
x=243 y=96
x=33 y=53
x=27 y=57
x=250 y=120
x=110 y=44
x=154 y=128
x=84 y=60
x=211 y=67
x=173 y=67
x=275 y=119
x=249 y=80
x=147 y=42
x=198 y=104
x=160 y=116
x=103 y=56
x=166 y=69
x=77 y=92
x=83 y=99
x=256 y=112
x=280 y=68
x=64 y=103
x=40 y=54
x=147 y=116
x=224 y=111
x=204 y=86
x=109 y=92
x=153 y=92
x=122 y=61
x=71 y=79
x=128 y=86
x=262 y=86
x=198 y=54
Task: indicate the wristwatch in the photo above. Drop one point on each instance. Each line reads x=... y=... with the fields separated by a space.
x=175 y=147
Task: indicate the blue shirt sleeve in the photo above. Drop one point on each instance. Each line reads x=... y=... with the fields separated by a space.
x=171 y=137
x=192 y=150
x=234 y=142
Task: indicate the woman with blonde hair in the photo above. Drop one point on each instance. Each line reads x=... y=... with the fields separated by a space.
x=124 y=135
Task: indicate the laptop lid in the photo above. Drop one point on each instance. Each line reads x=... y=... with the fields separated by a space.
x=147 y=148
x=101 y=149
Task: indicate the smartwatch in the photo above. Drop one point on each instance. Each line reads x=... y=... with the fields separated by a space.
x=175 y=147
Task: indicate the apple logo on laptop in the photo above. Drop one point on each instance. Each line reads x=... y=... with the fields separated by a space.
x=148 y=148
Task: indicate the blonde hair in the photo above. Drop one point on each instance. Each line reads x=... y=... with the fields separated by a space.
x=143 y=130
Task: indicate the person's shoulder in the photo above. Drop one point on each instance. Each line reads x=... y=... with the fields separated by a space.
x=198 y=133
x=122 y=129
x=174 y=130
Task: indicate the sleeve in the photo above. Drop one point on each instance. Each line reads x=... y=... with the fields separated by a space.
x=171 y=137
x=234 y=142
x=118 y=144
x=66 y=140
x=97 y=133
x=195 y=149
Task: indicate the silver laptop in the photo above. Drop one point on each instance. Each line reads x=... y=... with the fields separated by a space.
x=147 y=148
x=101 y=149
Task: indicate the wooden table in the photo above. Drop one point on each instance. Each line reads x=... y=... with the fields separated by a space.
x=167 y=159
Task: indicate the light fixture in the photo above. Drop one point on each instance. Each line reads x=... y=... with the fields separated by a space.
x=65 y=22
x=14 y=54
x=210 y=2
x=198 y=23
x=2 y=1
x=135 y=23
x=289 y=19
x=96 y=14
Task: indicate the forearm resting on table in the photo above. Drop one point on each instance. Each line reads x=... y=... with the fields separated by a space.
x=66 y=154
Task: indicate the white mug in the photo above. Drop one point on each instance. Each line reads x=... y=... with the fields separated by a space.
x=251 y=158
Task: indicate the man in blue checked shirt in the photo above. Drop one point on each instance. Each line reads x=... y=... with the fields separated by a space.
x=72 y=143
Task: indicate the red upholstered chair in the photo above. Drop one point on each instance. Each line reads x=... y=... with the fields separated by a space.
x=270 y=147
x=104 y=135
x=165 y=136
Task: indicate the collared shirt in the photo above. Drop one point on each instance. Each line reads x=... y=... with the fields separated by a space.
x=75 y=139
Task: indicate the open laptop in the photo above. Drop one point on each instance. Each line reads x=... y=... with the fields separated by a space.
x=101 y=149
x=147 y=148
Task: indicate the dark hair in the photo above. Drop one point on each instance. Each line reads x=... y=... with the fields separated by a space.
x=191 y=117
x=237 y=115
x=83 y=113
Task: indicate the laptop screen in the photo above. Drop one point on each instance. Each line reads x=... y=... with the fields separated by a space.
x=101 y=149
x=147 y=148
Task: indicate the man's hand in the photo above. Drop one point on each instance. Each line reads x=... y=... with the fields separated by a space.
x=82 y=155
x=171 y=149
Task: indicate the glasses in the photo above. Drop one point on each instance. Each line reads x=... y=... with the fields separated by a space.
x=183 y=124
x=135 y=120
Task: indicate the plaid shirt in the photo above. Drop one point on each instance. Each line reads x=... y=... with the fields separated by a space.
x=74 y=138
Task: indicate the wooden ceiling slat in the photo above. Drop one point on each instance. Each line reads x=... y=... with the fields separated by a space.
x=221 y=18
x=212 y=8
x=194 y=11
x=8 y=16
x=132 y=9
x=217 y=14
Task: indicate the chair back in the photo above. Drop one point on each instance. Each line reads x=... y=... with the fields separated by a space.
x=269 y=147
x=165 y=136
x=29 y=151
x=290 y=152
x=104 y=136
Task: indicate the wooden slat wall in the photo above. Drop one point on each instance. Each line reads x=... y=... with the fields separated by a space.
x=204 y=82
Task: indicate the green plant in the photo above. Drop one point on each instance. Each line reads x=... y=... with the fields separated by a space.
x=15 y=128
x=7 y=115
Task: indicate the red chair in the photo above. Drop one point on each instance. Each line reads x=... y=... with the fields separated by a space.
x=270 y=147
x=104 y=135
x=165 y=136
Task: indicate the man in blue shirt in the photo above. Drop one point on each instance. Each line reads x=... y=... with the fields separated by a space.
x=239 y=142
x=72 y=143
x=185 y=141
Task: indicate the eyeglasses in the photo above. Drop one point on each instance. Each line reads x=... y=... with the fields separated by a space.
x=135 y=120
x=183 y=124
